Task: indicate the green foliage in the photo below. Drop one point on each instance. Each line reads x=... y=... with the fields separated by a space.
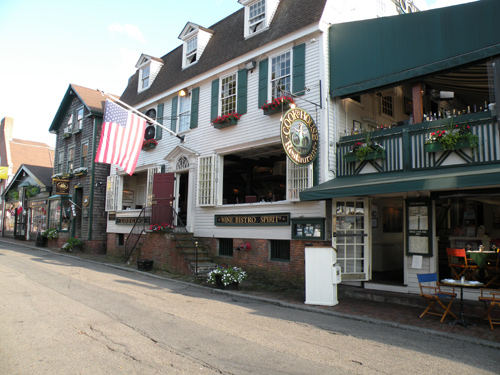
x=51 y=233
x=453 y=136
x=228 y=275
x=71 y=243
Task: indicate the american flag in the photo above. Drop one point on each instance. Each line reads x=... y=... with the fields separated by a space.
x=121 y=137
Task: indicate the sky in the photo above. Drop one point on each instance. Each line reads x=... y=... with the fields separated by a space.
x=46 y=45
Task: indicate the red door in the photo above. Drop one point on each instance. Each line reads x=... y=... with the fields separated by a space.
x=163 y=196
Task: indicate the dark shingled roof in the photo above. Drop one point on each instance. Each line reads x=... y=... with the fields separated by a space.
x=44 y=174
x=226 y=44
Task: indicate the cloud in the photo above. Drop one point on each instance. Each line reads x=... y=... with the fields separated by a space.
x=132 y=31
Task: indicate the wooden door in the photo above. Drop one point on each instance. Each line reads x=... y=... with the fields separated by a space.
x=163 y=197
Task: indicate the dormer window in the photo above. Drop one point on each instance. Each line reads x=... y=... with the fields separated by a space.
x=191 y=48
x=195 y=38
x=257 y=15
x=145 y=77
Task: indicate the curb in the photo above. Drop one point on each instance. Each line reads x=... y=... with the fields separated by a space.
x=276 y=302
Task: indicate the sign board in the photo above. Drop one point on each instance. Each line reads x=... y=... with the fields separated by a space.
x=62 y=186
x=299 y=136
x=419 y=231
x=259 y=220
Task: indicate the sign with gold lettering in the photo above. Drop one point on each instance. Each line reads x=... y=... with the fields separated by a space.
x=62 y=186
x=299 y=136
x=260 y=220
x=131 y=220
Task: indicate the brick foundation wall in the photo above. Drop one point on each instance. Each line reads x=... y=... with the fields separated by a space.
x=260 y=268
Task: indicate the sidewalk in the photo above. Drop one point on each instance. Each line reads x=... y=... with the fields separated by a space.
x=402 y=311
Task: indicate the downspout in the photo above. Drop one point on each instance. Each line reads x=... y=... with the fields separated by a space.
x=94 y=151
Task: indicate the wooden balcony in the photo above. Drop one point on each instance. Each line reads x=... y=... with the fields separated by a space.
x=405 y=149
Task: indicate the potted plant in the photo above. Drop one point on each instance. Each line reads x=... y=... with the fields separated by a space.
x=277 y=105
x=50 y=234
x=368 y=150
x=453 y=138
x=82 y=171
x=73 y=243
x=226 y=120
x=13 y=195
x=162 y=228
x=32 y=190
x=149 y=144
x=226 y=277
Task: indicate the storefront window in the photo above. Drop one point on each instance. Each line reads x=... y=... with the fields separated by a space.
x=38 y=217
x=60 y=214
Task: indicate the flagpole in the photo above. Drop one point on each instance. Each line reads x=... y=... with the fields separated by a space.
x=181 y=137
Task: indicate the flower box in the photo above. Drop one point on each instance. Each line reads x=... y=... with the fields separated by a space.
x=270 y=111
x=436 y=146
x=230 y=122
x=220 y=285
x=148 y=146
x=66 y=135
x=352 y=157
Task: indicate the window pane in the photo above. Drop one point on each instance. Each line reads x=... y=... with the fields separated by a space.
x=280 y=74
x=85 y=150
x=184 y=112
x=228 y=94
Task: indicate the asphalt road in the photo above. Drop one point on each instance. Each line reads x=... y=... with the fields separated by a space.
x=64 y=315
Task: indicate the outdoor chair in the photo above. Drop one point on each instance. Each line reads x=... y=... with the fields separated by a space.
x=431 y=291
x=492 y=268
x=491 y=300
x=460 y=265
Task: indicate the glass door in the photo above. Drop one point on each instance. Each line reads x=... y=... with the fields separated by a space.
x=351 y=238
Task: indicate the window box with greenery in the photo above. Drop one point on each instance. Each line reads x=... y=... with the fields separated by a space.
x=149 y=144
x=66 y=135
x=226 y=120
x=31 y=190
x=82 y=171
x=161 y=228
x=282 y=103
x=454 y=137
x=367 y=150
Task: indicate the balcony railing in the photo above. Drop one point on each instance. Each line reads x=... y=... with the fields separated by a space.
x=405 y=147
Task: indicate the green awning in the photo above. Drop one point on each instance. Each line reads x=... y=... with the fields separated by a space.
x=376 y=184
x=387 y=51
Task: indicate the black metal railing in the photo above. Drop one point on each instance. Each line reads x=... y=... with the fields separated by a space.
x=136 y=232
x=181 y=229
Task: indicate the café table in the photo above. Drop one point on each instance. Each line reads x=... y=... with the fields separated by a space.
x=480 y=257
x=462 y=284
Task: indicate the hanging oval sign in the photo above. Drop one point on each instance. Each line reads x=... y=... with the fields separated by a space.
x=299 y=136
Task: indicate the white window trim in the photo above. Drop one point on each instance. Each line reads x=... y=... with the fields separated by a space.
x=113 y=187
x=235 y=74
x=149 y=183
x=270 y=72
x=206 y=181
x=298 y=178
x=185 y=114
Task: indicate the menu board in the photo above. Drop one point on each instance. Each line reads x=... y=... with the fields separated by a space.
x=418 y=234
x=312 y=229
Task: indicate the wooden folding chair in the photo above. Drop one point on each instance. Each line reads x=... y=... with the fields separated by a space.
x=430 y=290
x=492 y=268
x=491 y=299
x=460 y=265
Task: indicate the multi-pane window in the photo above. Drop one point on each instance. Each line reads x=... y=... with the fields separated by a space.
x=71 y=159
x=145 y=77
x=60 y=162
x=84 y=154
x=79 y=119
x=69 y=126
x=184 y=112
x=281 y=75
x=279 y=249
x=226 y=247
x=191 y=47
x=388 y=105
x=256 y=16
x=206 y=181
x=228 y=94
x=299 y=178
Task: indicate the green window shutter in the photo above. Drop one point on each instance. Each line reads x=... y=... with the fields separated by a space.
x=299 y=69
x=173 y=115
x=242 y=92
x=195 y=102
x=263 y=67
x=214 y=110
x=159 y=118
